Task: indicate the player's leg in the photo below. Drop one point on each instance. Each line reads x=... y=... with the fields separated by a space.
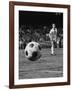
x=55 y=44
x=52 y=47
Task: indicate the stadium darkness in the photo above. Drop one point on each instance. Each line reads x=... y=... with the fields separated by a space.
x=40 y=18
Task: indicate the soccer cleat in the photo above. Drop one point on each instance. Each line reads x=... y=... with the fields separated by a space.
x=53 y=54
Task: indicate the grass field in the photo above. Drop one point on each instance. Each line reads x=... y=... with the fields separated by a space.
x=45 y=67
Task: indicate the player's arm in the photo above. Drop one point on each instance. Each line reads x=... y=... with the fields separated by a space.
x=50 y=34
x=56 y=31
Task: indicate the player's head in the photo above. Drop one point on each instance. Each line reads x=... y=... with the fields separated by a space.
x=53 y=25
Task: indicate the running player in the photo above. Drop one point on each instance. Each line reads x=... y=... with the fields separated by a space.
x=53 y=38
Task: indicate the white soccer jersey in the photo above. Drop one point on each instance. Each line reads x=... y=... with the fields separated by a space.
x=53 y=34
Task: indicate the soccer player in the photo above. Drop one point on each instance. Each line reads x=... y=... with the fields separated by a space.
x=53 y=38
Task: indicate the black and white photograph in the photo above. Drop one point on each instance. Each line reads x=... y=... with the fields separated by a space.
x=39 y=45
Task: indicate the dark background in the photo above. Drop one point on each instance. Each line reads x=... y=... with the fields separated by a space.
x=35 y=26
x=40 y=18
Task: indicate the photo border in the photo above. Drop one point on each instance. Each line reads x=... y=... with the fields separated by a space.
x=11 y=44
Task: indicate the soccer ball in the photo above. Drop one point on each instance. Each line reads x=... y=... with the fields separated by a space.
x=33 y=51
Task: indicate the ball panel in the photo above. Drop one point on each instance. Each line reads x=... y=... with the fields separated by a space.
x=34 y=54
x=31 y=45
x=26 y=53
x=39 y=47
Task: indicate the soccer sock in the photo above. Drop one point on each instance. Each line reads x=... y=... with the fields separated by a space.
x=52 y=49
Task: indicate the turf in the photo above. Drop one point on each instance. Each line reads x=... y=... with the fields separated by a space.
x=45 y=67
